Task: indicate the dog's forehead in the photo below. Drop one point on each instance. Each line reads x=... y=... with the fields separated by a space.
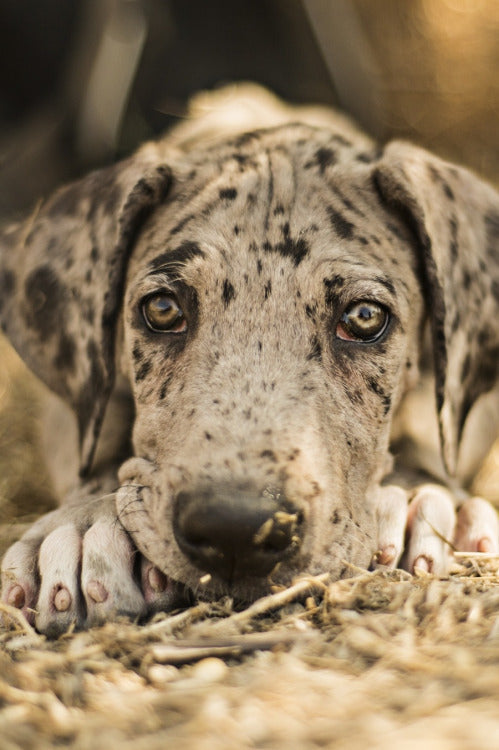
x=299 y=193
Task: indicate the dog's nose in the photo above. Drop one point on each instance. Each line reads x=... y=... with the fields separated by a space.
x=236 y=534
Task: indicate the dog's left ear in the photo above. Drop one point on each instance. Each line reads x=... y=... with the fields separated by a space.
x=455 y=219
x=61 y=282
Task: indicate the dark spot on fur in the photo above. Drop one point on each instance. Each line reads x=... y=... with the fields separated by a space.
x=207 y=436
x=45 y=298
x=236 y=230
x=279 y=210
x=454 y=247
x=483 y=337
x=448 y=190
x=296 y=250
x=7 y=283
x=228 y=292
x=240 y=158
x=375 y=387
x=137 y=353
x=182 y=223
x=342 y=226
x=341 y=140
x=179 y=256
x=315 y=350
x=229 y=194
x=92 y=388
x=366 y=157
x=310 y=310
x=69 y=262
x=88 y=310
x=333 y=286
x=269 y=454
x=324 y=158
x=494 y=287
x=143 y=370
x=66 y=354
x=387 y=283
x=267 y=289
x=456 y=322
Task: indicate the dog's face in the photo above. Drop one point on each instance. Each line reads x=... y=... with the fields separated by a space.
x=269 y=336
x=264 y=296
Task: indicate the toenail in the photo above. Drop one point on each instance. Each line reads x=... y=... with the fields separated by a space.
x=62 y=599
x=386 y=555
x=423 y=563
x=16 y=596
x=157 y=580
x=97 y=592
x=485 y=545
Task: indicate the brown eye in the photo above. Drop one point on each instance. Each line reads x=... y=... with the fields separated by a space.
x=363 y=321
x=163 y=314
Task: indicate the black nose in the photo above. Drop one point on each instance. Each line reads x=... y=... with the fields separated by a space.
x=235 y=533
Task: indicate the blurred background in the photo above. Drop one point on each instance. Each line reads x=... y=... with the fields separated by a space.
x=83 y=82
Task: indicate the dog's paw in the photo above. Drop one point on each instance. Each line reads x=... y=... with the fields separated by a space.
x=78 y=565
x=422 y=534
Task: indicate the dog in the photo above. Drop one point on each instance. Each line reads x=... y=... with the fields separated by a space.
x=235 y=316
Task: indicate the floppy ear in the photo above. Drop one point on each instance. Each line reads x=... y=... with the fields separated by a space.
x=455 y=218
x=61 y=280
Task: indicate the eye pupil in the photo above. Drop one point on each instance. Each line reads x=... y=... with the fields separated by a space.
x=162 y=313
x=363 y=321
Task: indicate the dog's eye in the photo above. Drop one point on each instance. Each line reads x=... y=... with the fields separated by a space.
x=363 y=321
x=163 y=314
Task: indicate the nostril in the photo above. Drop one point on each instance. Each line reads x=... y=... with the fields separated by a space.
x=277 y=532
x=235 y=533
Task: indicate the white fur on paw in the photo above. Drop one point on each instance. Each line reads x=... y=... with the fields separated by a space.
x=391 y=514
x=107 y=575
x=477 y=527
x=430 y=525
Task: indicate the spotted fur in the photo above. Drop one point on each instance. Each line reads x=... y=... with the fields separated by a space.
x=264 y=231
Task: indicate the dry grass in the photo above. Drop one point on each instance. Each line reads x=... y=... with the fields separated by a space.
x=381 y=658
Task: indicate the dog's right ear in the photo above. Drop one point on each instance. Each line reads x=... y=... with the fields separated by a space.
x=61 y=282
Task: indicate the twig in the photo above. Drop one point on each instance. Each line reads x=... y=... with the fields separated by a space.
x=182 y=652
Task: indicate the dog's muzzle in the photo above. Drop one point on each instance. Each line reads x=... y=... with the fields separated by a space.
x=236 y=533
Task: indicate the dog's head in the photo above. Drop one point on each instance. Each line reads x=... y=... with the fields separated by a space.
x=268 y=292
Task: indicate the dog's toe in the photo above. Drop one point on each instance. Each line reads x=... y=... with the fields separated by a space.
x=59 y=600
x=107 y=576
x=477 y=527
x=20 y=578
x=430 y=531
x=391 y=514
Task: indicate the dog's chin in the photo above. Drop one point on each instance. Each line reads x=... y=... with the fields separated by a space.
x=208 y=587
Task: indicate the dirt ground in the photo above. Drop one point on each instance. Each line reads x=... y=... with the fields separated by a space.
x=378 y=660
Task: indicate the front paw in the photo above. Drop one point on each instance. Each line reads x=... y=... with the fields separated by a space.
x=77 y=565
x=423 y=534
